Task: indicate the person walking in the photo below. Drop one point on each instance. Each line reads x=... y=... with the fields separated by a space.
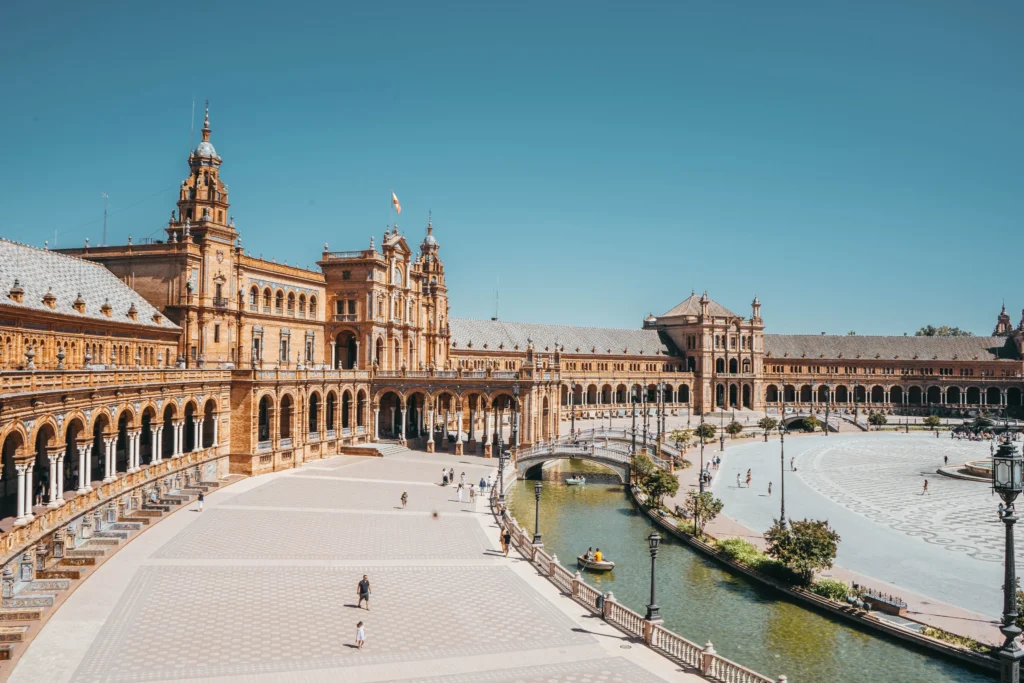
x=488 y=480
x=444 y=479
x=444 y=474
x=462 y=478
x=483 y=485
x=360 y=636
x=769 y=489
x=749 y=478
x=501 y=540
x=472 y=494
x=363 y=589
x=451 y=475
x=506 y=541
x=201 y=498
x=792 y=464
x=739 y=484
x=405 y=498
x=458 y=493
x=925 y=490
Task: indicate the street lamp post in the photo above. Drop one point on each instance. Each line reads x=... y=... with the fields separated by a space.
x=828 y=404
x=502 y=456
x=633 y=449
x=653 y=611
x=643 y=399
x=572 y=412
x=536 y=522
x=721 y=434
x=1006 y=481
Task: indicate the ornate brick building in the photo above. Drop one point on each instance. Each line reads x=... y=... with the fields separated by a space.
x=128 y=367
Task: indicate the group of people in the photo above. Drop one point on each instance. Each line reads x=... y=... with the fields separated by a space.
x=593 y=555
x=749 y=479
x=448 y=477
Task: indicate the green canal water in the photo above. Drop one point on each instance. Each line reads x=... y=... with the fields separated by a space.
x=699 y=600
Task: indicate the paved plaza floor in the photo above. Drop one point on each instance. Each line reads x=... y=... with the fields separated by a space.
x=261 y=586
x=946 y=544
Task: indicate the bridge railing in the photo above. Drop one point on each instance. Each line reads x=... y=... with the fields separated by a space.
x=705 y=660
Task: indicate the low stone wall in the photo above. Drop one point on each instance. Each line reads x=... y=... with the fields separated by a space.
x=818 y=602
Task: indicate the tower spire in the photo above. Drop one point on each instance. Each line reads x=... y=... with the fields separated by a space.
x=206 y=123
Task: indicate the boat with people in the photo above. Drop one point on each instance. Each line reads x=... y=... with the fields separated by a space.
x=590 y=563
x=573 y=481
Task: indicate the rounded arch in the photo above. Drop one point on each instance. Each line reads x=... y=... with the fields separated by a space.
x=378 y=352
x=842 y=394
x=953 y=395
x=331 y=410
x=823 y=394
x=733 y=366
x=312 y=306
x=621 y=393
x=209 y=417
x=346 y=409
x=896 y=394
x=313 y=422
x=789 y=393
x=591 y=394
x=361 y=408
x=285 y=409
x=915 y=395
x=606 y=393
x=973 y=396
x=933 y=395
x=684 y=393
x=720 y=365
x=805 y=393
x=45 y=424
x=279 y=301
x=993 y=396
x=264 y=416
x=771 y=394
x=345 y=353
x=14 y=450
x=1013 y=396
x=878 y=394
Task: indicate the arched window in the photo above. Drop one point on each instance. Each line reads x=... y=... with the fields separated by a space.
x=279 y=303
x=254 y=297
x=302 y=304
x=266 y=300
x=312 y=307
x=291 y=303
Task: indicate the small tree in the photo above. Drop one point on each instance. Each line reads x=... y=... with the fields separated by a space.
x=705 y=432
x=733 y=428
x=804 y=546
x=877 y=420
x=703 y=507
x=811 y=423
x=932 y=421
x=681 y=437
x=642 y=467
x=660 y=484
x=767 y=424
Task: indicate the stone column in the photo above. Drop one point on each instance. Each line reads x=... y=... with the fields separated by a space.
x=458 y=429
x=197 y=431
x=216 y=425
x=376 y=423
x=487 y=433
x=175 y=438
x=52 y=502
x=60 y=478
x=108 y=457
x=133 y=442
x=401 y=418
x=355 y=365
x=334 y=356
x=28 y=494
x=157 y=439
x=430 y=429
x=85 y=473
x=21 y=520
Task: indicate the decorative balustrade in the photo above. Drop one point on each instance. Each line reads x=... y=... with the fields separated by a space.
x=263 y=446
x=346 y=431
x=313 y=437
x=331 y=434
x=687 y=653
x=285 y=442
x=29 y=381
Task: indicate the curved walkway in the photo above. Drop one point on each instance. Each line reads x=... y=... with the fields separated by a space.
x=261 y=586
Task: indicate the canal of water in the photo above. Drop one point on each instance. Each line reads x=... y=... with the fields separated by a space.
x=747 y=623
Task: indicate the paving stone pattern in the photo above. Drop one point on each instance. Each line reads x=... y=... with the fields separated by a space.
x=233 y=534
x=306 y=491
x=609 y=670
x=220 y=621
x=404 y=469
x=883 y=479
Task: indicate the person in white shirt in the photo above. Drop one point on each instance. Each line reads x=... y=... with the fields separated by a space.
x=360 y=636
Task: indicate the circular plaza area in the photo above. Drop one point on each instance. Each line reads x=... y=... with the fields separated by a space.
x=946 y=544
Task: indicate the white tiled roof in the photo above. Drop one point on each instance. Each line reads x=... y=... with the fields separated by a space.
x=813 y=346
x=494 y=333
x=38 y=271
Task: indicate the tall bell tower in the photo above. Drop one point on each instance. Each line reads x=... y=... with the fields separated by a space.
x=203 y=198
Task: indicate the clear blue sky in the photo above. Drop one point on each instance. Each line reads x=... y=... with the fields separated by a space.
x=858 y=165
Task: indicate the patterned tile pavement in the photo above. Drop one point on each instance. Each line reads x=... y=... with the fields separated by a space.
x=412 y=469
x=609 y=670
x=243 y=534
x=307 y=491
x=221 y=621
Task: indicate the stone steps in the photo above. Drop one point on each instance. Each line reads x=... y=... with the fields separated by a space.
x=174 y=499
x=65 y=573
x=121 y=525
x=85 y=552
x=25 y=614
x=49 y=584
x=162 y=509
x=12 y=634
x=142 y=521
x=36 y=600
x=146 y=514
x=101 y=542
x=122 y=535
x=77 y=562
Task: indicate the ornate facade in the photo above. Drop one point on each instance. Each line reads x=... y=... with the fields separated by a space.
x=119 y=362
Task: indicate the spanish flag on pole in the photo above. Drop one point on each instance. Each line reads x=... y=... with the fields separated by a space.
x=394 y=203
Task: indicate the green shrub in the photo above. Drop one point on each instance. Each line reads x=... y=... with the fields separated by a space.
x=831 y=589
x=953 y=639
x=744 y=552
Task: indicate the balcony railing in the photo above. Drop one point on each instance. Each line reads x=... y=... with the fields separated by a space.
x=331 y=434
x=286 y=443
x=345 y=317
x=220 y=301
x=254 y=308
x=264 y=446
x=313 y=437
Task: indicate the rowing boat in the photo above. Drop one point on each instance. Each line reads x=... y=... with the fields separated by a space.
x=593 y=565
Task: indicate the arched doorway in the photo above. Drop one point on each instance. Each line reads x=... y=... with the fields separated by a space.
x=934 y=395
x=346 y=410
x=314 y=413
x=771 y=394
x=345 y=356
x=190 y=427
x=993 y=397
x=746 y=396
x=877 y=395
x=331 y=412
x=263 y=420
x=953 y=396
x=285 y=417
x=13 y=450
x=209 y=416
x=896 y=395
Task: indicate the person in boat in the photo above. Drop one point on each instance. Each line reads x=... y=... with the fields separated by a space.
x=589 y=556
x=598 y=557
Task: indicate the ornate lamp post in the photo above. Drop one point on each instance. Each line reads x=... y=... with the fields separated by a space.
x=643 y=403
x=536 y=522
x=1007 y=466
x=633 y=448
x=572 y=412
x=502 y=457
x=828 y=404
x=653 y=611
x=721 y=434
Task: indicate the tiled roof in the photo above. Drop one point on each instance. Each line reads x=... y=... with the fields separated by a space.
x=887 y=348
x=691 y=306
x=494 y=333
x=38 y=271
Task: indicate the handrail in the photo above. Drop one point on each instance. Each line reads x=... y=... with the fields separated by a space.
x=663 y=641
